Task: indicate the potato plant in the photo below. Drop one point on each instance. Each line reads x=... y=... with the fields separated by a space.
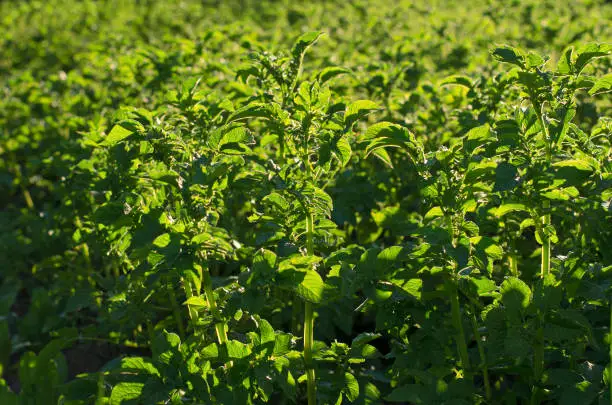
x=325 y=203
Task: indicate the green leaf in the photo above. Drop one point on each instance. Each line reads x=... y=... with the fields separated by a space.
x=507 y=208
x=126 y=393
x=459 y=80
x=562 y=194
x=565 y=66
x=311 y=287
x=515 y=294
x=484 y=287
x=195 y=301
x=602 y=85
x=253 y=110
x=488 y=246
x=330 y=72
x=351 y=387
x=508 y=54
x=266 y=332
x=139 y=364
x=342 y=150
x=588 y=52
x=357 y=110
x=304 y=41
x=235 y=135
x=237 y=350
x=165 y=346
x=477 y=137
x=116 y=135
x=505 y=177
x=162 y=240
x=412 y=286
x=298 y=50
x=364 y=338
x=386 y=135
x=264 y=263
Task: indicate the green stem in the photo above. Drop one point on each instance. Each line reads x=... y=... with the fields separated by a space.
x=513 y=263
x=545 y=268
x=610 y=374
x=210 y=297
x=459 y=333
x=193 y=313
x=309 y=322
x=483 y=358
x=176 y=311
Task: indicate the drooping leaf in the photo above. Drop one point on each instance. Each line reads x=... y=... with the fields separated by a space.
x=509 y=54
x=459 y=80
x=602 y=85
x=331 y=72
x=588 y=52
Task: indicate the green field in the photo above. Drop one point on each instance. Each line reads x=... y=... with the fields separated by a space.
x=353 y=202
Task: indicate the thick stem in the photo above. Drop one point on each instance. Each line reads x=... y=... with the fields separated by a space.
x=483 y=358
x=459 y=333
x=545 y=267
x=309 y=322
x=212 y=304
x=193 y=313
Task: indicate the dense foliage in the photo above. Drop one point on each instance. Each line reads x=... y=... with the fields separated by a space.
x=246 y=202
